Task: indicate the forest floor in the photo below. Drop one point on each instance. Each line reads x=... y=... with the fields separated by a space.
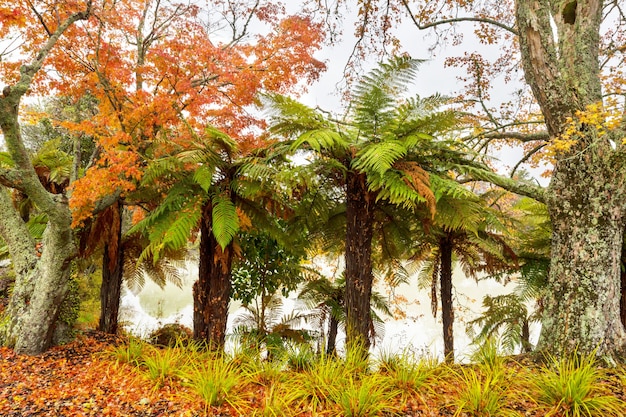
x=99 y=375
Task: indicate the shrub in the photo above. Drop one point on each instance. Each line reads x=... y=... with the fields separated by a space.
x=171 y=335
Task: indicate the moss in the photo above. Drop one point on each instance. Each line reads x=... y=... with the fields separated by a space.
x=89 y=283
x=65 y=331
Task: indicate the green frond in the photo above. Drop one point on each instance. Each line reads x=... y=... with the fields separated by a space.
x=200 y=154
x=502 y=318
x=379 y=157
x=220 y=141
x=37 y=225
x=225 y=219
x=449 y=188
x=57 y=162
x=289 y=118
x=388 y=79
x=320 y=140
x=256 y=170
x=182 y=196
x=179 y=231
x=161 y=168
x=467 y=215
x=395 y=188
x=204 y=176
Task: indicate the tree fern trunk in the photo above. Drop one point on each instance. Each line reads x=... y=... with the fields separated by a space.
x=112 y=274
x=447 y=312
x=527 y=347
x=333 y=327
x=358 y=255
x=211 y=293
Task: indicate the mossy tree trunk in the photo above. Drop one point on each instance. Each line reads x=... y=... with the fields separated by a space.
x=586 y=194
x=211 y=293
x=358 y=255
x=41 y=278
x=582 y=306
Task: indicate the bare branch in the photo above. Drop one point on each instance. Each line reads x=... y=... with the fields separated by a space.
x=527 y=157
x=456 y=20
x=522 y=137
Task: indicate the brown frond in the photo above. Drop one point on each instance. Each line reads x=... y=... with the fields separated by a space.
x=418 y=178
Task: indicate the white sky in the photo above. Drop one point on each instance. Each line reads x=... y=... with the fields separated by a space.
x=434 y=76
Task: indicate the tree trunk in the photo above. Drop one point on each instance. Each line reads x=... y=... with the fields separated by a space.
x=211 y=293
x=358 y=255
x=447 y=312
x=582 y=309
x=41 y=284
x=333 y=327
x=559 y=45
x=112 y=274
x=527 y=347
x=622 y=301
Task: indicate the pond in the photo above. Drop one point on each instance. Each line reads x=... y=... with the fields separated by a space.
x=417 y=331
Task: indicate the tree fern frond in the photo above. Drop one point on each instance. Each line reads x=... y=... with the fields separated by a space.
x=379 y=157
x=447 y=187
x=225 y=219
x=37 y=225
x=290 y=118
x=6 y=161
x=320 y=140
x=203 y=176
x=161 y=168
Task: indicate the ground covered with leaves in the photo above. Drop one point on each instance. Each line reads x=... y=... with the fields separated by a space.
x=106 y=376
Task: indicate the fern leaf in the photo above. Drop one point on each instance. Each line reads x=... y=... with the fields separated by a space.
x=379 y=157
x=320 y=139
x=225 y=219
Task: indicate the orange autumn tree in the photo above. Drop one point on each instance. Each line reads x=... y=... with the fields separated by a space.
x=160 y=78
x=148 y=64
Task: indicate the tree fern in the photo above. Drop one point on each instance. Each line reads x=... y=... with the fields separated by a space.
x=225 y=219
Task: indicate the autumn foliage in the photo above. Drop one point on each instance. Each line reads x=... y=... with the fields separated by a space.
x=161 y=72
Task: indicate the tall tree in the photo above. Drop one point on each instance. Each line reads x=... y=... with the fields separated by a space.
x=570 y=53
x=160 y=62
x=363 y=160
x=214 y=190
x=41 y=281
x=469 y=231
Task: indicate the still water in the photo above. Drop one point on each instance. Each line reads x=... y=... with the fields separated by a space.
x=417 y=331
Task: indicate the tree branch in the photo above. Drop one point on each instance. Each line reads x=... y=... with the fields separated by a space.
x=456 y=20
x=527 y=157
x=522 y=137
x=526 y=189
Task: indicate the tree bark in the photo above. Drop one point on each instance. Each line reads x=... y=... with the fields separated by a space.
x=41 y=281
x=40 y=287
x=622 y=301
x=112 y=274
x=559 y=45
x=211 y=293
x=447 y=311
x=527 y=347
x=358 y=255
x=331 y=343
x=582 y=305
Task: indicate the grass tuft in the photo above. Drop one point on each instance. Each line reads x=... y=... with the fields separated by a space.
x=571 y=387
